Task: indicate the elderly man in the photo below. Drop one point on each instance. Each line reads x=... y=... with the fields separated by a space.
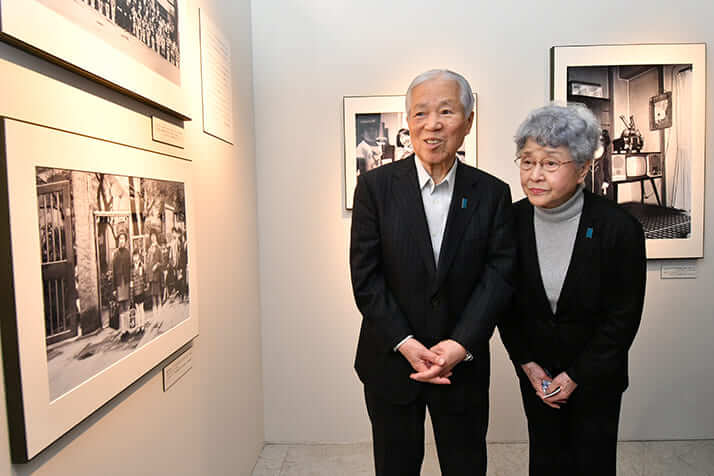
x=431 y=255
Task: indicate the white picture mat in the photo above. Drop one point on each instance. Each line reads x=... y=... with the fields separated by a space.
x=216 y=81
x=29 y=21
x=616 y=55
x=353 y=105
x=29 y=146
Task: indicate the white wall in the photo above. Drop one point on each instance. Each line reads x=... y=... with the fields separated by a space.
x=211 y=421
x=307 y=55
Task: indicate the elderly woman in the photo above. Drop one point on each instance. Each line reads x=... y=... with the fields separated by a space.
x=581 y=284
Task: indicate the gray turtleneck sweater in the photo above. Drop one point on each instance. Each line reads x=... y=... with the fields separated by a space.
x=555 y=230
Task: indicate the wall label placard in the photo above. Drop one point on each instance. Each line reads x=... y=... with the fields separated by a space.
x=167 y=133
x=216 y=81
x=679 y=270
x=177 y=368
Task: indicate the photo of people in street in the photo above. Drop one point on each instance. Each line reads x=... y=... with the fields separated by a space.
x=114 y=268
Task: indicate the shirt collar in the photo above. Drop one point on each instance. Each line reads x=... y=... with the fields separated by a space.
x=425 y=179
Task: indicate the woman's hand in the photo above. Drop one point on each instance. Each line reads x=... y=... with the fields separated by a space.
x=567 y=387
x=536 y=375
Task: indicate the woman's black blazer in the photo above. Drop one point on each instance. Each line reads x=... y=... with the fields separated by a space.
x=600 y=304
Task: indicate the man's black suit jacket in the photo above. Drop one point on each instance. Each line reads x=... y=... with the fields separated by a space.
x=400 y=290
x=599 y=307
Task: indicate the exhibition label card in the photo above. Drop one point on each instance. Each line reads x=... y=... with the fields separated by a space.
x=177 y=368
x=167 y=133
x=679 y=270
x=216 y=83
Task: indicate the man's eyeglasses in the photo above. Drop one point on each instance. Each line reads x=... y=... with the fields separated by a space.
x=549 y=165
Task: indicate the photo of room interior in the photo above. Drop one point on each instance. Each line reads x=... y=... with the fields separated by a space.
x=645 y=159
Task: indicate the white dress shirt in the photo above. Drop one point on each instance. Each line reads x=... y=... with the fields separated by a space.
x=437 y=200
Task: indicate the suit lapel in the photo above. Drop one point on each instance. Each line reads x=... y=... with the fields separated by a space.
x=411 y=207
x=582 y=250
x=464 y=203
x=531 y=262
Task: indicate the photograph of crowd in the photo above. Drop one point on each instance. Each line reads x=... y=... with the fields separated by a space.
x=114 y=268
x=147 y=30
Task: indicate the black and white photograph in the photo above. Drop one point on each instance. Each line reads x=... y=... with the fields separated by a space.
x=646 y=160
x=101 y=274
x=377 y=137
x=146 y=30
x=114 y=268
x=373 y=139
x=645 y=169
x=131 y=45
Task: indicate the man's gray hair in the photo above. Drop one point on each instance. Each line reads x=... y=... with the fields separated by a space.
x=553 y=125
x=465 y=93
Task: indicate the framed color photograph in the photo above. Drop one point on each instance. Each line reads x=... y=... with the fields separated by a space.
x=376 y=134
x=133 y=46
x=102 y=277
x=650 y=101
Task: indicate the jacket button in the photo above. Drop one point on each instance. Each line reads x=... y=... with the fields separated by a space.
x=435 y=301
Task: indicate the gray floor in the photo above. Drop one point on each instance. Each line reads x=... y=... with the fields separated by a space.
x=655 y=458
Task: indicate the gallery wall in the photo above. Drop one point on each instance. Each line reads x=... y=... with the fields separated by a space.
x=210 y=421
x=307 y=56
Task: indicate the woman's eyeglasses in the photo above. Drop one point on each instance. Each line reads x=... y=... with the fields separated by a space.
x=549 y=165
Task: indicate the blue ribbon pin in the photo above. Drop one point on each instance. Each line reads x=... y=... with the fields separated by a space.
x=464 y=202
x=589 y=233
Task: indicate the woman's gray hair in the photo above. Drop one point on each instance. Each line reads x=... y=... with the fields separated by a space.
x=465 y=93
x=553 y=125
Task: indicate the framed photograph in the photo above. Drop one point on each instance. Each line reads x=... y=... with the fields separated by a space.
x=652 y=111
x=133 y=46
x=102 y=282
x=376 y=134
x=661 y=111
